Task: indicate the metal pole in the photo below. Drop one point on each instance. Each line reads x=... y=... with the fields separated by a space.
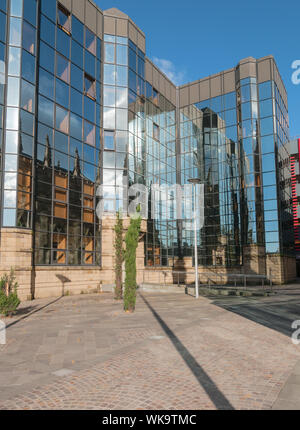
x=196 y=245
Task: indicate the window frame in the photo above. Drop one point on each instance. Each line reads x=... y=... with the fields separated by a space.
x=62 y=9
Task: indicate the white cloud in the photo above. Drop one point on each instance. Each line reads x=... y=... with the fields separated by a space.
x=169 y=69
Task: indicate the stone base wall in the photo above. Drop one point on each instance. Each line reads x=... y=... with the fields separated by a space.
x=281 y=269
x=43 y=282
x=16 y=253
x=56 y=281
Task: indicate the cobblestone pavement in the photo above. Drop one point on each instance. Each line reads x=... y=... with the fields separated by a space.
x=174 y=353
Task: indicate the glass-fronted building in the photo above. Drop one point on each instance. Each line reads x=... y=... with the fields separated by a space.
x=82 y=107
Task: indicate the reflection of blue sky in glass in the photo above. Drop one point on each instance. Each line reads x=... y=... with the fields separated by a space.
x=175 y=38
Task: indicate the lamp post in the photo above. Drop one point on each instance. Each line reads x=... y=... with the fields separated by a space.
x=194 y=182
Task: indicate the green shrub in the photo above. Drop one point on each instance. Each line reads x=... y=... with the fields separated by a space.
x=9 y=300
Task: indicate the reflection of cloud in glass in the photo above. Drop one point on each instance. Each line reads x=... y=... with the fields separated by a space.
x=109 y=118
x=46 y=111
x=10 y=199
x=109 y=177
x=10 y=181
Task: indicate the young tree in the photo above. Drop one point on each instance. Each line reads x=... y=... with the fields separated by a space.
x=119 y=256
x=131 y=240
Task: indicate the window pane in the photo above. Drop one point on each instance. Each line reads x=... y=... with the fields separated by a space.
x=10 y=199
x=2 y=27
x=27 y=122
x=46 y=86
x=90 y=86
x=11 y=163
x=109 y=74
x=121 y=141
x=10 y=181
x=90 y=41
x=122 y=97
x=12 y=118
x=76 y=78
x=77 y=30
x=14 y=62
x=122 y=55
x=28 y=67
x=16 y=7
x=13 y=91
x=121 y=119
x=30 y=11
x=76 y=101
x=47 y=57
x=28 y=96
x=26 y=146
x=63 y=68
x=63 y=18
x=89 y=109
x=46 y=111
x=90 y=64
x=109 y=96
x=109 y=140
x=75 y=126
x=109 y=120
x=49 y=9
x=265 y=90
x=9 y=217
x=109 y=50
x=15 y=36
x=63 y=43
x=122 y=78
x=266 y=108
x=267 y=126
x=77 y=54
x=89 y=133
x=47 y=31
x=62 y=93
x=62 y=120
x=12 y=140
x=29 y=37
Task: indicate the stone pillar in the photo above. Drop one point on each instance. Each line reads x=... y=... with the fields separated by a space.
x=16 y=253
x=282 y=269
x=254 y=260
x=140 y=254
x=108 y=251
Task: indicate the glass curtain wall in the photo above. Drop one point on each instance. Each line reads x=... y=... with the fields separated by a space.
x=3 y=27
x=115 y=121
x=20 y=111
x=68 y=140
x=209 y=151
x=161 y=244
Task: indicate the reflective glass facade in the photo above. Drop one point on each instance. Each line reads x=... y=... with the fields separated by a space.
x=79 y=110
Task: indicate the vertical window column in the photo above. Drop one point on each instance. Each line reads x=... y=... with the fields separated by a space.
x=19 y=115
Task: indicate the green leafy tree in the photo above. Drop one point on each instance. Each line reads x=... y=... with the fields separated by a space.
x=119 y=256
x=132 y=241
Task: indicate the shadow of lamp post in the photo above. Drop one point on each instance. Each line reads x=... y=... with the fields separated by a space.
x=64 y=281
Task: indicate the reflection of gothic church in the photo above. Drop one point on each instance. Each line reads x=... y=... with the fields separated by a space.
x=79 y=192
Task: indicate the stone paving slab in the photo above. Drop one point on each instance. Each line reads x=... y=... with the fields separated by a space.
x=173 y=353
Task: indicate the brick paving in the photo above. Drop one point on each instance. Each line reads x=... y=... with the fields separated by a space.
x=173 y=353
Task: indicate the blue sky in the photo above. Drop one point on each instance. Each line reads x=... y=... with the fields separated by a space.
x=192 y=39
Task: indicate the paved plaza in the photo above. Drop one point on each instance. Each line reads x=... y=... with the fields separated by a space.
x=175 y=352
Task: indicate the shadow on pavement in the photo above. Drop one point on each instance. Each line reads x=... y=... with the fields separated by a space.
x=215 y=395
x=27 y=315
x=275 y=314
